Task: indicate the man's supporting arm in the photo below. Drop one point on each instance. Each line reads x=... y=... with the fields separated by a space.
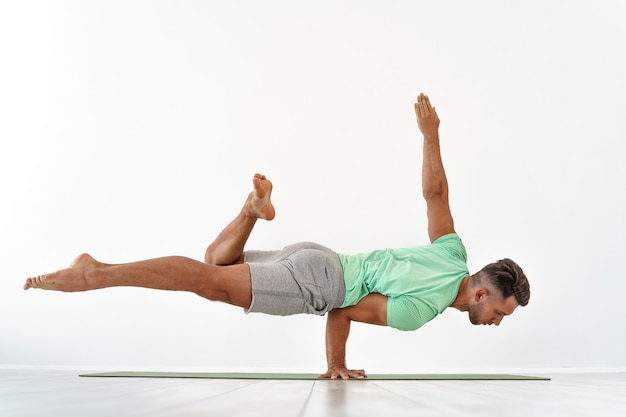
x=434 y=181
x=371 y=309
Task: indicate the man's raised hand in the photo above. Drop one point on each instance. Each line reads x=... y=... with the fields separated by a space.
x=427 y=119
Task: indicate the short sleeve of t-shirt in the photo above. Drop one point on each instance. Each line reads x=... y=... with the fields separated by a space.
x=408 y=313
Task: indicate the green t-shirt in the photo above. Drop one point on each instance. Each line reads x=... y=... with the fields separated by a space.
x=421 y=282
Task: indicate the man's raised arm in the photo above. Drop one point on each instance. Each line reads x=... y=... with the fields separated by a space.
x=371 y=309
x=434 y=182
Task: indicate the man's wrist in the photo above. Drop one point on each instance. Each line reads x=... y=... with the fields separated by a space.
x=431 y=136
x=336 y=365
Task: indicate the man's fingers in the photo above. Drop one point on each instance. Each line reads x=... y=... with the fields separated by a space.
x=345 y=375
x=419 y=106
x=423 y=106
x=357 y=373
x=427 y=103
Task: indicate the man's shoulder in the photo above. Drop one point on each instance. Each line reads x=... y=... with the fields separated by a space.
x=448 y=237
x=453 y=244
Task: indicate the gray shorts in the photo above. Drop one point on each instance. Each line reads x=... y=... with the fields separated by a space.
x=301 y=278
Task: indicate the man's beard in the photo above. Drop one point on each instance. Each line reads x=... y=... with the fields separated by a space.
x=475 y=311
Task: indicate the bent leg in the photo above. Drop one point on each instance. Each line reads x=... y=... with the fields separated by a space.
x=227 y=249
x=229 y=284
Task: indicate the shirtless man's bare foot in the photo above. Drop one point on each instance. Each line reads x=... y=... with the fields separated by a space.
x=258 y=204
x=69 y=279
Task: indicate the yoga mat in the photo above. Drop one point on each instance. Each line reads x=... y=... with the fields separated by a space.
x=372 y=377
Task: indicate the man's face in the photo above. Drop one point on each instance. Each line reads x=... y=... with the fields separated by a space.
x=490 y=309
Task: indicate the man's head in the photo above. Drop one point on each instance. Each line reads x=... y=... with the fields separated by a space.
x=497 y=290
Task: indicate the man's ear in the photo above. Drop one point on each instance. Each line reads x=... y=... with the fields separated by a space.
x=480 y=294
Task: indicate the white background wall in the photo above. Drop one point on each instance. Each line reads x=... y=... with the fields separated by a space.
x=131 y=129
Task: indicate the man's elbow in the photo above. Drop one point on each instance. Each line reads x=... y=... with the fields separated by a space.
x=435 y=194
x=434 y=190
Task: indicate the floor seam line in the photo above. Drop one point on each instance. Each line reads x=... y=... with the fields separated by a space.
x=174 y=407
x=399 y=395
x=306 y=402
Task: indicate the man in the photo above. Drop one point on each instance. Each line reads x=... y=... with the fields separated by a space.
x=401 y=288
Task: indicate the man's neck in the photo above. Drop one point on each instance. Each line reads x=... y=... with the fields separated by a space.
x=461 y=302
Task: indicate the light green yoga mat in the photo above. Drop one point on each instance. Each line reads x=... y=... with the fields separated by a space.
x=242 y=375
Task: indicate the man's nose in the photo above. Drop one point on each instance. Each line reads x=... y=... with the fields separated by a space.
x=497 y=321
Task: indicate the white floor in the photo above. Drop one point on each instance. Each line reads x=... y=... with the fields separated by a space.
x=46 y=393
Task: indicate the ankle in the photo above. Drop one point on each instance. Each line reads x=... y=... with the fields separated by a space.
x=249 y=213
x=94 y=277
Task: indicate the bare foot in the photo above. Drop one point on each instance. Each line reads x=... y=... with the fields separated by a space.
x=258 y=203
x=68 y=280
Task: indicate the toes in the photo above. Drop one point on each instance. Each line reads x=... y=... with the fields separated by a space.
x=258 y=188
x=34 y=282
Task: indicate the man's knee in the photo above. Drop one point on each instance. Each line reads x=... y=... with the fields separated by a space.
x=208 y=257
x=228 y=284
x=213 y=258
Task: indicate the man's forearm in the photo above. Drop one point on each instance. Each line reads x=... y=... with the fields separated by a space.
x=337 y=331
x=371 y=309
x=434 y=182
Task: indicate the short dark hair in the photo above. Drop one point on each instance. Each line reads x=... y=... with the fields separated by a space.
x=506 y=277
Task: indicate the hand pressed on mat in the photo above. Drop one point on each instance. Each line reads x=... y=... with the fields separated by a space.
x=335 y=372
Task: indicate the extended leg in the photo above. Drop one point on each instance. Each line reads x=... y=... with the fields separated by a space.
x=230 y=284
x=227 y=249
